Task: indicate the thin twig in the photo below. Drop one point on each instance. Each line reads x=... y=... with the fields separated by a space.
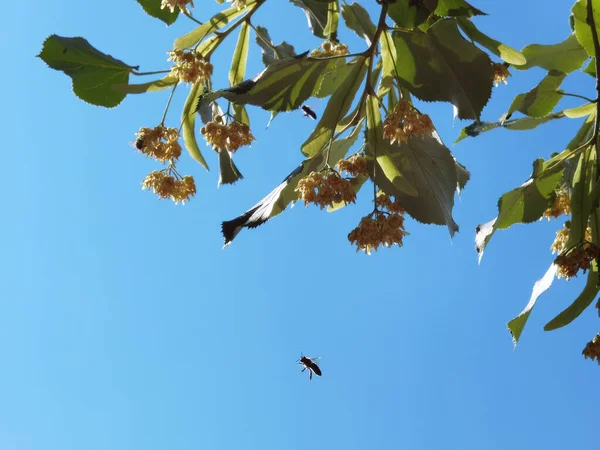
x=149 y=73
x=162 y=122
x=583 y=97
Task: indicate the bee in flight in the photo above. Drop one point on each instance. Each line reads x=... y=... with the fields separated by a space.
x=309 y=112
x=310 y=364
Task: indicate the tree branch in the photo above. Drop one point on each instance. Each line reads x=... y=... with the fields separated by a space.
x=592 y=23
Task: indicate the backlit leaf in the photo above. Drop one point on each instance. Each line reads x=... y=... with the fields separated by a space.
x=582 y=181
x=93 y=73
x=583 y=32
x=358 y=20
x=508 y=54
x=153 y=8
x=457 y=8
x=409 y=15
x=338 y=105
x=150 y=86
x=213 y=24
x=333 y=17
x=188 y=120
x=441 y=65
x=240 y=56
x=316 y=15
x=388 y=58
x=541 y=100
x=228 y=172
x=270 y=51
x=566 y=56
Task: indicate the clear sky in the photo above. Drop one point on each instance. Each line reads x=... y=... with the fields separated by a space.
x=123 y=325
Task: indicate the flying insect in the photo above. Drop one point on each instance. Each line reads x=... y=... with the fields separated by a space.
x=309 y=112
x=311 y=365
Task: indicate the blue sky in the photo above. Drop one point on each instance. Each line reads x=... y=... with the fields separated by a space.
x=123 y=324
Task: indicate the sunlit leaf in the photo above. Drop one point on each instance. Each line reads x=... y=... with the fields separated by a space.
x=213 y=24
x=583 y=32
x=409 y=15
x=590 y=68
x=584 y=300
x=93 y=73
x=316 y=15
x=441 y=65
x=333 y=17
x=566 y=56
x=388 y=58
x=582 y=181
x=153 y=8
x=240 y=56
x=188 y=120
x=284 y=194
x=150 y=86
x=516 y=325
x=336 y=74
x=508 y=54
x=337 y=107
x=541 y=100
x=358 y=20
x=270 y=51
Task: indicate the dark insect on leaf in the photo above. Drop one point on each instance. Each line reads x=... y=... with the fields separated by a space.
x=139 y=144
x=309 y=112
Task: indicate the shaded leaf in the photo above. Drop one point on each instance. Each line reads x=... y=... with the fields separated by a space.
x=93 y=73
x=508 y=54
x=541 y=100
x=228 y=172
x=566 y=56
x=410 y=15
x=284 y=194
x=150 y=86
x=270 y=51
x=337 y=107
x=240 y=56
x=153 y=9
x=457 y=8
x=316 y=15
x=358 y=20
x=583 y=32
x=188 y=121
x=584 y=300
x=282 y=86
x=442 y=66
x=213 y=24
x=516 y=325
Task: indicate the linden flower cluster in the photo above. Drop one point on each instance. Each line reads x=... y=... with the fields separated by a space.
x=592 y=349
x=230 y=137
x=501 y=74
x=166 y=186
x=330 y=48
x=560 y=205
x=172 y=4
x=190 y=67
x=159 y=143
x=562 y=237
x=405 y=121
x=355 y=165
x=380 y=228
x=580 y=258
x=325 y=190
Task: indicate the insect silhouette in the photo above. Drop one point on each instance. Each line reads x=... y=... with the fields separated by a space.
x=310 y=364
x=309 y=112
x=139 y=144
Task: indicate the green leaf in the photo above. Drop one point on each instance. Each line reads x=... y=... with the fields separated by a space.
x=441 y=65
x=516 y=325
x=358 y=20
x=387 y=174
x=525 y=204
x=388 y=58
x=284 y=194
x=581 y=302
x=582 y=181
x=508 y=54
x=240 y=56
x=282 y=86
x=188 y=121
x=337 y=107
x=331 y=80
x=93 y=73
x=583 y=32
x=409 y=15
x=228 y=172
x=457 y=8
x=590 y=69
x=153 y=9
x=333 y=17
x=566 y=56
x=240 y=114
x=541 y=100
x=316 y=15
x=150 y=86
x=215 y=23
x=209 y=45
x=270 y=51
